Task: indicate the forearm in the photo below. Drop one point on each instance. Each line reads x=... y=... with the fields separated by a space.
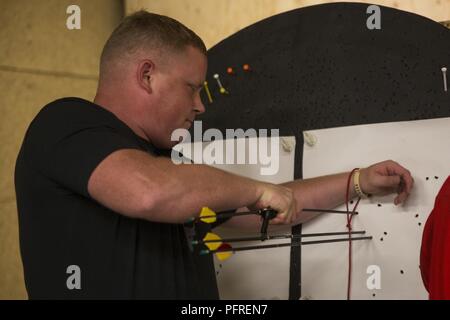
x=328 y=192
x=180 y=191
x=325 y=192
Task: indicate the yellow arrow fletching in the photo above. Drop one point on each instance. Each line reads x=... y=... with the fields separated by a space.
x=224 y=255
x=212 y=245
x=207 y=212
x=217 y=245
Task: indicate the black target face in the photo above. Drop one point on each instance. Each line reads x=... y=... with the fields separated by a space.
x=321 y=67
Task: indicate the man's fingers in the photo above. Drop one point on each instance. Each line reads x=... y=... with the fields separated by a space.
x=408 y=181
x=403 y=180
x=282 y=200
x=404 y=190
x=284 y=217
x=405 y=175
x=277 y=220
x=404 y=186
x=400 y=198
x=280 y=219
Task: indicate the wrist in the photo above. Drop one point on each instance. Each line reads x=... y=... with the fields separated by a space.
x=259 y=188
x=359 y=180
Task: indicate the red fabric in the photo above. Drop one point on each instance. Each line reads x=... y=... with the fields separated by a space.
x=435 y=251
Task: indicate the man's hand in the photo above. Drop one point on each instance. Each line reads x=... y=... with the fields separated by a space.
x=387 y=177
x=278 y=198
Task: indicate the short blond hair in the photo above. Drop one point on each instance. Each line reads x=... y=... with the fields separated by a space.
x=145 y=30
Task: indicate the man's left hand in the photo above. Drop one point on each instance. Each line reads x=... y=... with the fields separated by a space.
x=387 y=177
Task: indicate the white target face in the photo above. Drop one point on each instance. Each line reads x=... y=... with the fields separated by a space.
x=386 y=267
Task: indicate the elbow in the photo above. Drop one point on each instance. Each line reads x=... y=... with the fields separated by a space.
x=154 y=206
x=145 y=206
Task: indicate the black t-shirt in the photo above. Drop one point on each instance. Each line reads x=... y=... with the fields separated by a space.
x=61 y=225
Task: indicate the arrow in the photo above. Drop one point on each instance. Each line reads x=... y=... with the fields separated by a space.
x=213 y=242
x=209 y=216
x=274 y=237
x=203 y=252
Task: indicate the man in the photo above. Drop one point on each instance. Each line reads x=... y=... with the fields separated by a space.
x=101 y=209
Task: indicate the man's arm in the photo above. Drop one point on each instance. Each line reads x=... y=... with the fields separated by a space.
x=133 y=183
x=330 y=191
x=327 y=192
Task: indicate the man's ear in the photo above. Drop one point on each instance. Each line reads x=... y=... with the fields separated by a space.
x=145 y=72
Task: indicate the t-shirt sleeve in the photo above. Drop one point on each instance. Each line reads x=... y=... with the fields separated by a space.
x=70 y=159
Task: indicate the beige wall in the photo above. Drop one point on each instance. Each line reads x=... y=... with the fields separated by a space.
x=40 y=60
x=214 y=20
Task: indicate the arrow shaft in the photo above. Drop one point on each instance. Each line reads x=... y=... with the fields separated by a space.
x=279 y=245
x=329 y=211
x=235 y=214
x=282 y=236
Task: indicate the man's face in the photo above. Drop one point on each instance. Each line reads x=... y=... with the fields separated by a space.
x=176 y=96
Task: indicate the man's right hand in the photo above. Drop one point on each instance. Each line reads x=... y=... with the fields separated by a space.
x=279 y=198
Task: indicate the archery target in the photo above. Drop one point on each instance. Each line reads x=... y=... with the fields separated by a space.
x=321 y=67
